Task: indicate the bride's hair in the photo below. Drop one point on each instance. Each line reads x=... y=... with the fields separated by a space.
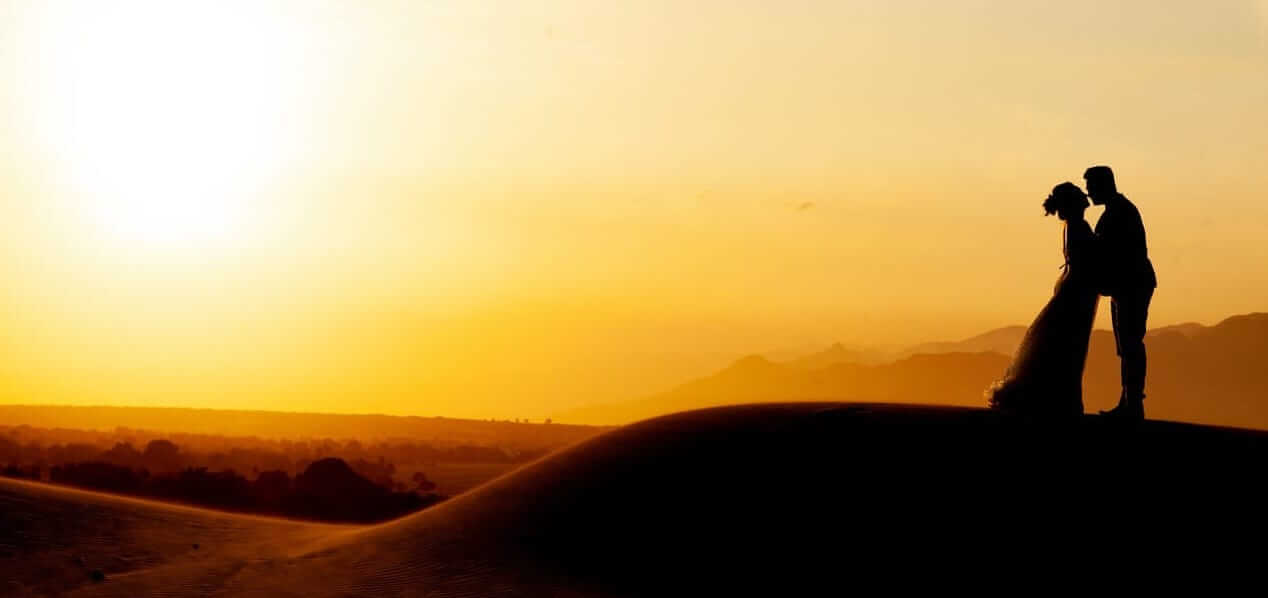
x=1065 y=195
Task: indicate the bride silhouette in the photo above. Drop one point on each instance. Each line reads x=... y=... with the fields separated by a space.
x=1046 y=376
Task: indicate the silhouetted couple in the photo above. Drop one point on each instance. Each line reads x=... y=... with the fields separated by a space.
x=1046 y=376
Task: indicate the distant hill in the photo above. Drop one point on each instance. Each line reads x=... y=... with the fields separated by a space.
x=839 y=353
x=1006 y=340
x=1206 y=374
x=1186 y=329
x=947 y=379
x=1001 y=340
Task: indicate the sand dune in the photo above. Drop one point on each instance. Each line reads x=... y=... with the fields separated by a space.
x=788 y=499
x=53 y=538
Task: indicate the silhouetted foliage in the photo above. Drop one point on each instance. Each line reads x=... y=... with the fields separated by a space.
x=423 y=484
x=271 y=489
x=220 y=489
x=349 y=480
x=380 y=472
x=398 y=460
x=30 y=472
x=123 y=454
x=161 y=455
x=328 y=490
x=98 y=475
x=390 y=464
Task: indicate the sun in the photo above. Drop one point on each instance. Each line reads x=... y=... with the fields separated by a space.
x=168 y=118
x=170 y=222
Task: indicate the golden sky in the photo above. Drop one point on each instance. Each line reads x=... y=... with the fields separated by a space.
x=505 y=208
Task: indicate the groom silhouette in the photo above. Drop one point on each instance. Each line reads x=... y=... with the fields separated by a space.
x=1127 y=277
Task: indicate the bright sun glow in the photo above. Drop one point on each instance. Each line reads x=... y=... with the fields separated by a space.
x=168 y=119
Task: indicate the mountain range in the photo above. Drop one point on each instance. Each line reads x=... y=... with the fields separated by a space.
x=1203 y=374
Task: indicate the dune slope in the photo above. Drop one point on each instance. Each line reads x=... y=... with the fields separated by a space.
x=52 y=539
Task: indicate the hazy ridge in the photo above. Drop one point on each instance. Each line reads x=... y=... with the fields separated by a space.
x=1202 y=374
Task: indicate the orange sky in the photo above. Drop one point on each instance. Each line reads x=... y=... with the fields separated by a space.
x=507 y=208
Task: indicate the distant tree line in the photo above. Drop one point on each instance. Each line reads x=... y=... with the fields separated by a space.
x=327 y=489
x=391 y=464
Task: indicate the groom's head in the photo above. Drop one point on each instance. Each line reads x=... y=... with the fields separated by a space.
x=1100 y=184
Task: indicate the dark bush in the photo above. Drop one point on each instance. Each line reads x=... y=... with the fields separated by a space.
x=97 y=475
x=329 y=490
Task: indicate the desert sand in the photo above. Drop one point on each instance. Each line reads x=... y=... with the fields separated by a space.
x=778 y=499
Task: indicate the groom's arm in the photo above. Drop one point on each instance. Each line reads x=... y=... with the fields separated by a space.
x=1109 y=250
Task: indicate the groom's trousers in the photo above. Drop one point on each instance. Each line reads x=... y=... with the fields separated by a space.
x=1130 y=310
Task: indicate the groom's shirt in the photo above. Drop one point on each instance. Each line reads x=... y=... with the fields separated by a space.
x=1124 y=252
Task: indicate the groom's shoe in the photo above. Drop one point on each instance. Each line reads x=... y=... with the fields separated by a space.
x=1128 y=410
